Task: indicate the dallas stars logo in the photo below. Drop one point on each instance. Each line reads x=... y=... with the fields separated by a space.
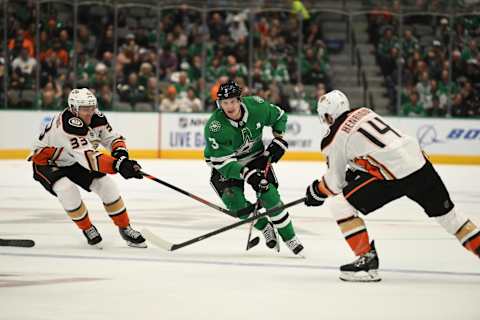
x=248 y=142
x=215 y=126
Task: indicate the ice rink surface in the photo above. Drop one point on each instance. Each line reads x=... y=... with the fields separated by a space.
x=426 y=273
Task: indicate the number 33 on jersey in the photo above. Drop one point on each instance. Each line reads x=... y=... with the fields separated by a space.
x=65 y=140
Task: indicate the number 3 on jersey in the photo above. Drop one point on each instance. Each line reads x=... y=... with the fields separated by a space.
x=214 y=143
x=380 y=127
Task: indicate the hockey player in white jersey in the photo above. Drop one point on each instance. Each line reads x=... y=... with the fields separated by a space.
x=370 y=164
x=65 y=156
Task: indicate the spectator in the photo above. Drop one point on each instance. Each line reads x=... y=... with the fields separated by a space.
x=100 y=78
x=151 y=94
x=132 y=91
x=170 y=103
x=275 y=71
x=50 y=97
x=106 y=43
x=21 y=42
x=85 y=69
x=23 y=67
x=409 y=44
x=413 y=107
x=86 y=40
x=167 y=62
x=424 y=91
x=215 y=70
x=238 y=29
x=56 y=50
x=105 y=98
x=146 y=71
x=298 y=101
x=65 y=42
x=190 y=103
x=235 y=69
x=182 y=84
x=195 y=69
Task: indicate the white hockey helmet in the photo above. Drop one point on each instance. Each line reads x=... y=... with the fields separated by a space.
x=81 y=98
x=334 y=104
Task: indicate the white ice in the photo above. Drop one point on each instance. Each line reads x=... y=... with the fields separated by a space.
x=426 y=273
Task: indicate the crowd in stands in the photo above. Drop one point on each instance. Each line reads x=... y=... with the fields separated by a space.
x=436 y=80
x=177 y=62
x=158 y=64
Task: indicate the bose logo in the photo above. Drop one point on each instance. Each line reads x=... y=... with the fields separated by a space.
x=466 y=134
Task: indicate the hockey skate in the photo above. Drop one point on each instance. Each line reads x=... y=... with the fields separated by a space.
x=133 y=237
x=296 y=246
x=93 y=236
x=271 y=237
x=364 y=269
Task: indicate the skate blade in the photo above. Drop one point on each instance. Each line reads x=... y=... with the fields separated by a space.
x=98 y=246
x=361 y=276
x=137 y=245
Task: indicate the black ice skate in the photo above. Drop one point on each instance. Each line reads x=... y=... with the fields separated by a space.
x=364 y=269
x=296 y=246
x=270 y=236
x=133 y=237
x=93 y=236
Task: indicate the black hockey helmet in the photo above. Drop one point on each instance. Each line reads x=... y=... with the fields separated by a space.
x=227 y=90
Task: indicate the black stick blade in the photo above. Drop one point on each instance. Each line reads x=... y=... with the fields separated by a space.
x=24 y=243
x=252 y=243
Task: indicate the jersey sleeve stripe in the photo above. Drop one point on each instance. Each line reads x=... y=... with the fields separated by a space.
x=219 y=165
x=99 y=162
x=360 y=186
x=386 y=173
x=221 y=159
x=281 y=113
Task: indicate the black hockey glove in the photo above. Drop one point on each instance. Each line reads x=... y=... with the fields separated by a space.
x=276 y=149
x=314 y=197
x=120 y=152
x=256 y=179
x=127 y=168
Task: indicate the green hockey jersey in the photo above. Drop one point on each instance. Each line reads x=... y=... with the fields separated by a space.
x=229 y=144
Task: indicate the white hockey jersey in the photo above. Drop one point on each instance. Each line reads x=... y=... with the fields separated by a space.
x=66 y=140
x=362 y=140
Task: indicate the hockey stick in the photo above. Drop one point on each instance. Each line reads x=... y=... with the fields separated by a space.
x=239 y=213
x=164 y=244
x=252 y=243
x=25 y=243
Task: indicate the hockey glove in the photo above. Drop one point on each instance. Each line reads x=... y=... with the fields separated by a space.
x=314 y=197
x=256 y=179
x=127 y=168
x=276 y=149
x=120 y=152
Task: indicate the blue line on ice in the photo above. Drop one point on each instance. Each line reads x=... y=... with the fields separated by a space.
x=231 y=263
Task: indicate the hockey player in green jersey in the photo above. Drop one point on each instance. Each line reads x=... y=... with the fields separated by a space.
x=236 y=153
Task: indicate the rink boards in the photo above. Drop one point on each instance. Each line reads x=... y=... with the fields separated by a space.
x=180 y=135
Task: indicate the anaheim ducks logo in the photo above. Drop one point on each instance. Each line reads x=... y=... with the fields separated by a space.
x=76 y=122
x=215 y=126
